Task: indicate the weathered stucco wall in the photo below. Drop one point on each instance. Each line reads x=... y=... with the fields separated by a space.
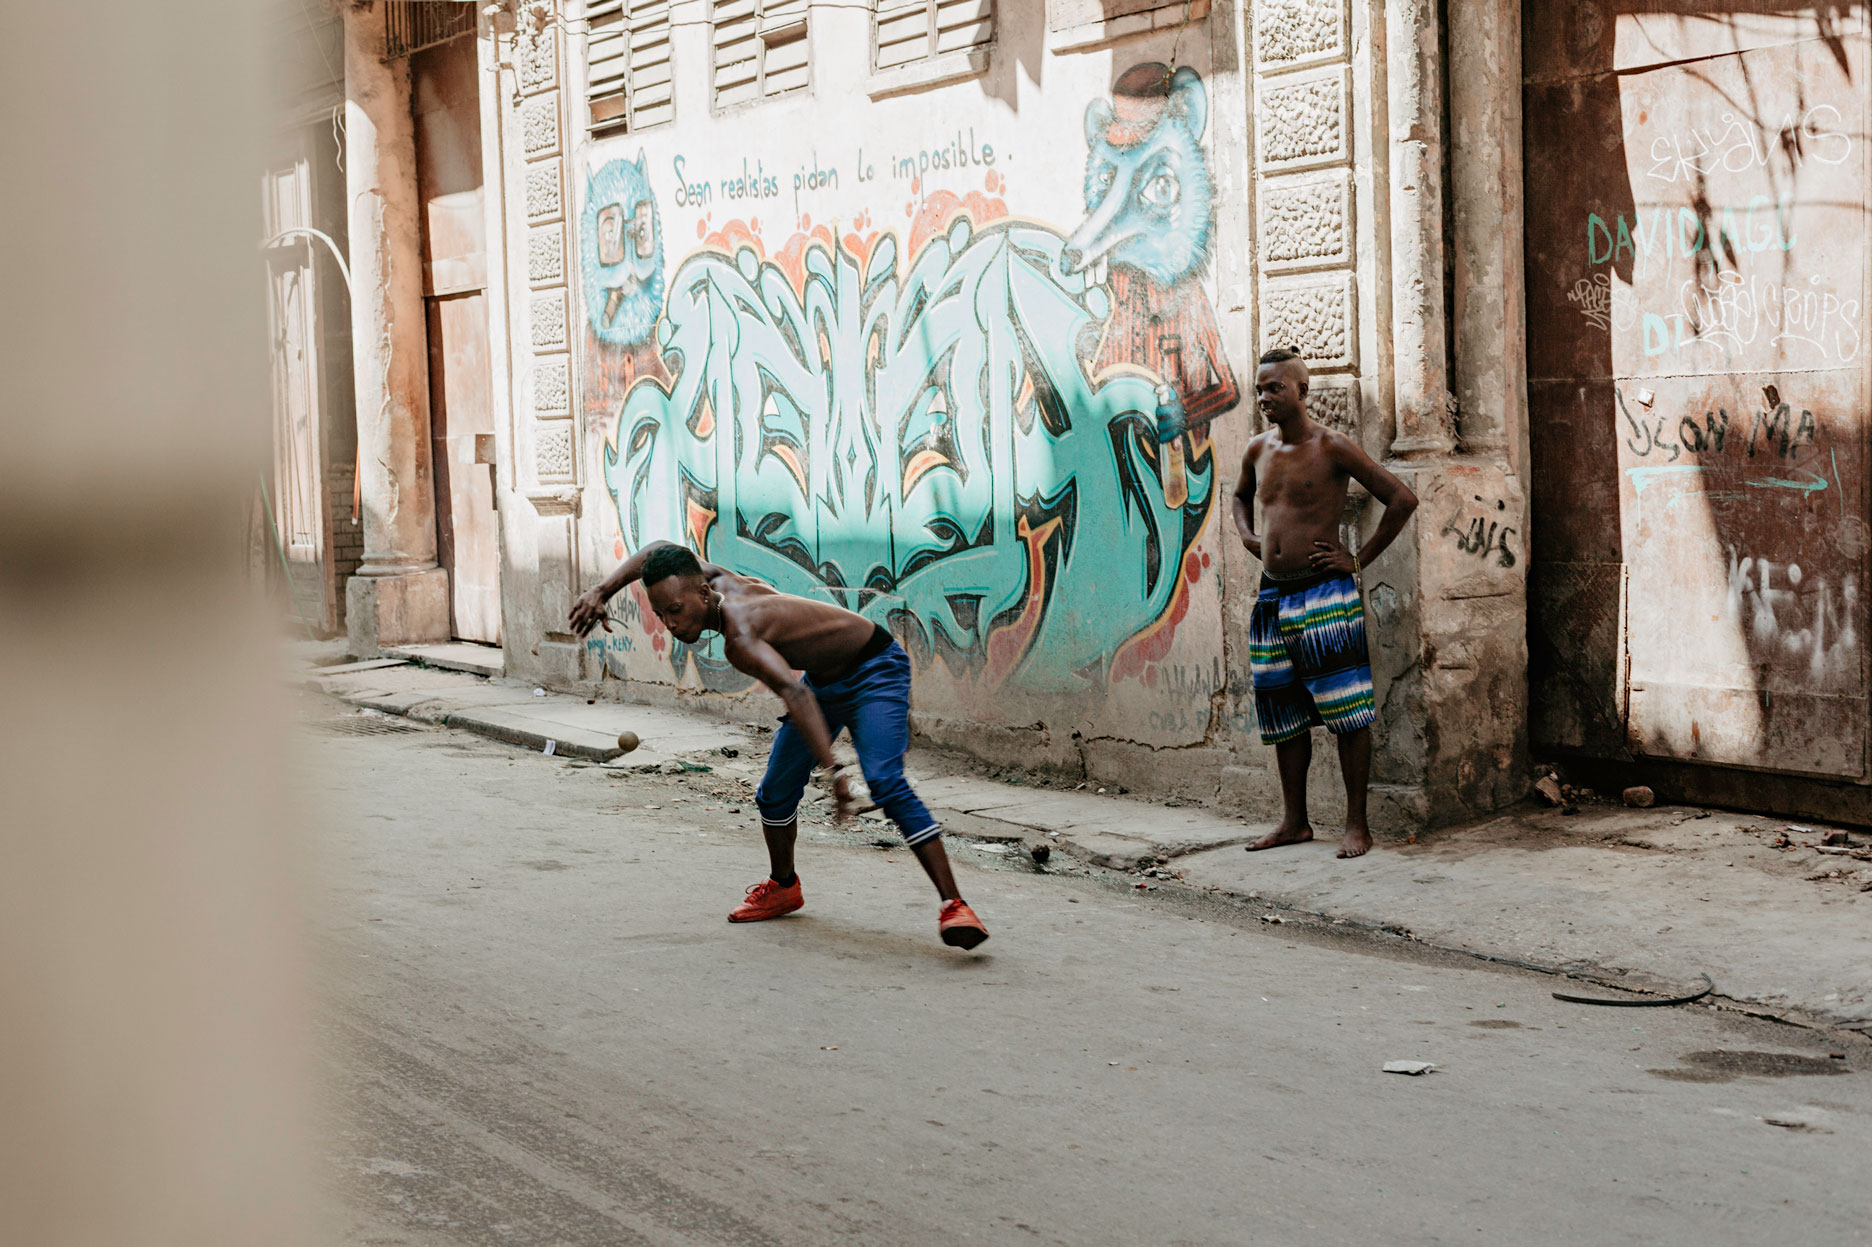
x=970 y=357
x=948 y=357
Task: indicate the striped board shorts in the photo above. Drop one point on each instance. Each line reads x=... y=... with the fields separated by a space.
x=1306 y=651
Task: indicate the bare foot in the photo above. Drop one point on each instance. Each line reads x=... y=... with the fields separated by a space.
x=1357 y=843
x=1282 y=835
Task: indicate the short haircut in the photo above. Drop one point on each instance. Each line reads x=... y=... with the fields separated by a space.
x=1282 y=354
x=670 y=560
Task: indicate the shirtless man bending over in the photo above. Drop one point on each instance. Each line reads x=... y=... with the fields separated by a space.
x=856 y=676
x=1306 y=638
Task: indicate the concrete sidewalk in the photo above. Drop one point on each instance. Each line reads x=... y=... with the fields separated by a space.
x=1652 y=899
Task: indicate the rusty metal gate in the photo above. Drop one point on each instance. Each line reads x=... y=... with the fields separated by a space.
x=1698 y=349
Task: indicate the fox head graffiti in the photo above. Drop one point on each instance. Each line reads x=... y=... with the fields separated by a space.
x=1150 y=211
x=1149 y=195
x=621 y=252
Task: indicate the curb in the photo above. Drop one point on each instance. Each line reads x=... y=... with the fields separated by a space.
x=535 y=741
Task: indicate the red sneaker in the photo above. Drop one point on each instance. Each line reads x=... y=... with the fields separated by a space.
x=768 y=899
x=959 y=925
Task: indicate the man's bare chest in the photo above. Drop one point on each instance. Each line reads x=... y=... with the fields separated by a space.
x=1298 y=477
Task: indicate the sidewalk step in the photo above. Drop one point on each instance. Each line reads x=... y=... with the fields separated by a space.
x=467 y=656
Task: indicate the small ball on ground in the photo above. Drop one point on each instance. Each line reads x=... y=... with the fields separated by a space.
x=628 y=741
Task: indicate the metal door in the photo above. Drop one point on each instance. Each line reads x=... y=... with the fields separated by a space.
x=446 y=103
x=298 y=480
x=1697 y=350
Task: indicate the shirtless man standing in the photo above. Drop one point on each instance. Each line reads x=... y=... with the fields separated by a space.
x=856 y=676
x=1306 y=638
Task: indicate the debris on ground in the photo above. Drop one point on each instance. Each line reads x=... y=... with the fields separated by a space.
x=1274 y=918
x=628 y=741
x=729 y=751
x=1640 y=797
x=1408 y=1067
x=1040 y=853
x=1837 y=839
x=1709 y=985
x=1547 y=788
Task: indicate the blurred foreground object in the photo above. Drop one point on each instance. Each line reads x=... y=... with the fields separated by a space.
x=154 y=1045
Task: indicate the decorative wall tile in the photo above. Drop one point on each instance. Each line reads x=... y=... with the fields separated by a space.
x=1302 y=121
x=539 y=62
x=549 y=319
x=1288 y=33
x=544 y=198
x=546 y=254
x=1306 y=221
x=539 y=125
x=552 y=454
x=1335 y=406
x=1313 y=316
x=552 y=387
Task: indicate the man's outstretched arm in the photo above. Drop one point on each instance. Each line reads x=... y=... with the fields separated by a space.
x=589 y=611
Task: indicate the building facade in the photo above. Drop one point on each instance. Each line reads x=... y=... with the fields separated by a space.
x=948 y=311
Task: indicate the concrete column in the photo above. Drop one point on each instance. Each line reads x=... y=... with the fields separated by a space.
x=1486 y=200
x=1458 y=714
x=1418 y=333
x=399 y=595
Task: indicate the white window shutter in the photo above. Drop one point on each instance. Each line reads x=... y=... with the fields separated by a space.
x=607 y=62
x=652 y=98
x=903 y=28
x=962 y=24
x=737 y=51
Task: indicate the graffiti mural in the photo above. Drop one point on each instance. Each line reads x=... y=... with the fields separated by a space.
x=621 y=263
x=993 y=440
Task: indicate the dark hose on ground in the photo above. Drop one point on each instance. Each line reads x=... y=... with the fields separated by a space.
x=1709 y=986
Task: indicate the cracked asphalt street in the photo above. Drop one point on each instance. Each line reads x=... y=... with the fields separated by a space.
x=538 y=1029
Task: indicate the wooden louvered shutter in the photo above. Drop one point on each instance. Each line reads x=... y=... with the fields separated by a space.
x=737 y=52
x=787 y=51
x=963 y=24
x=607 y=63
x=652 y=101
x=902 y=32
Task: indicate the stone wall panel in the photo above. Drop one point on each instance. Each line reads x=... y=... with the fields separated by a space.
x=539 y=125
x=552 y=454
x=545 y=198
x=552 y=386
x=546 y=254
x=1315 y=317
x=1291 y=33
x=549 y=319
x=1303 y=121
x=1306 y=222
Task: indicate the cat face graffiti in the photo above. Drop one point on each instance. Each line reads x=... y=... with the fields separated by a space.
x=621 y=249
x=1148 y=190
